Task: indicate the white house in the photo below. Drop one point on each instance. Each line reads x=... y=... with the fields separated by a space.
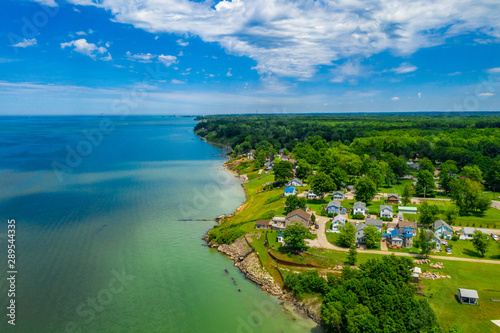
x=442 y=229
x=468 y=296
x=337 y=221
x=468 y=232
x=338 y=195
x=359 y=208
x=296 y=182
x=290 y=190
x=312 y=196
x=360 y=233
x=385 y=211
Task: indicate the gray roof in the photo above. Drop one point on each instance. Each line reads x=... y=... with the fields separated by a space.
x=382 y=207
x=467 y=230
x=374 y=222
x=339 y=217
x=360 y=204
x=334 y=203
x=338 y=192
x=359 y=226
x=440 y=223
x=469 y=293
x=297 y=180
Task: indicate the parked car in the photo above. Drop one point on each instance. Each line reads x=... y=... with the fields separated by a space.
x=317 y=226
x=448 y=250
x=495 y=237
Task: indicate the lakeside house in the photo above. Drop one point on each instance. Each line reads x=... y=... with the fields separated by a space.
x=375 y=222
x=359 y=208
x=338 y=195
x=386 y=211
x=333 y=207
x=298 y=216
x=393 y=198
x=442 y=229
x=337 y=222
x=469 y=232
x=468 y=296
x=261 y=224
x=290 y=190
x=407 y=210
x=296 y=182
x=312 y=196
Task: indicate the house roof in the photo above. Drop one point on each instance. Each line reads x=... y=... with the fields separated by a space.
x=469 y=293
x=262 y=222
x=300 y=212
x=339 y=192
x=360 y=226
x=339 y=217
x=407 y=224
x=289 y=189
x=440 y=223
x=393 y=195
x=386 y=234
x=407 y=209
x=393 y=225
x=334 y=203
x=467 y=230
x=394 y=233
x=382 y=207
x=279 y=219
x=297 y=180
x=360 y=204
x=374 y=222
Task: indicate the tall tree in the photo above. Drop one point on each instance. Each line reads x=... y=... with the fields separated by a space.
x=450 y=214
x=304 y=169
x=407 y=193
x=426 y=164
x=472 y=172
x=339 y=177
x=448 y=172
x=425 y=183
x=283 y=171
x=428 y=213
x=365 y=190
x=295 y=236
x=425 y=242
x=493 y=176
x=322 y=184
x=352 y=256
x=480 y=241
x=347 y=235
x=293 y=202
x=373 y=236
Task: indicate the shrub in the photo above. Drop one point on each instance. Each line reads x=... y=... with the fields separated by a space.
x=226 y=234
x=387 y=219
x=272 y=199
x=358 y=217
x=454 y=237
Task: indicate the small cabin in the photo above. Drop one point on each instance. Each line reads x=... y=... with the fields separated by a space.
x=468 y=296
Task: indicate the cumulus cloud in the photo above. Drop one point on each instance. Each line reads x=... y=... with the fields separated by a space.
x=50 y=3
x=404 y=68
x=167 y=60
x=177 y=81
x=493 y=70
x=182 y=43
x=395 y=98
x=25 y=43
x=141 y=57
x=88 y=49
x=292 y=38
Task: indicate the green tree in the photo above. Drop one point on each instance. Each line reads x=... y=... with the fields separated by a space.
x=468 y=196
x=295 y=236
x=293 y=202
x=304 y=169
x=426 y=164
x=407 y=193
x=428 y=213
x=283 y=171
x=331 y=314
x=347 y=235
x=425 y=242
x=352 y=256
x=322 y=184
x=448 y=172
x=493 y=176
x=373 y=236
x=480 y=241
x=425 y=183
x=339 y=177
x=365 y=190
x=390 y=178
x=450 y=214
x=313 y=218
x=472 y=172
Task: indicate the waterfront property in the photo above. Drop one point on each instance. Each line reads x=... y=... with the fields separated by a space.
x=359 y=208
x=290 y=190
x=468 y=296
x=298 y=216
x=333 y=207
x=278 y=223
x=261 y=224
x=442 y=229
x=386 y=211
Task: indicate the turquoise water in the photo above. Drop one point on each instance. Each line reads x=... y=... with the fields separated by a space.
x=100 y=247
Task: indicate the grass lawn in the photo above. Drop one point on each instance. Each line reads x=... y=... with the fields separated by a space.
x=398 y=188
x=490 y=220
x=469 y=275
x=465 y=249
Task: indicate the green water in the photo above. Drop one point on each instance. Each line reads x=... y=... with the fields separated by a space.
x=100 y=247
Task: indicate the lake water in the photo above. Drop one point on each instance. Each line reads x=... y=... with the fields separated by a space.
x=99 y=245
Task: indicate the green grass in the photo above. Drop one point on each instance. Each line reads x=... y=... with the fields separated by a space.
x=398 y=188
x=469 y=275
x=490 y=220
x=465 y=249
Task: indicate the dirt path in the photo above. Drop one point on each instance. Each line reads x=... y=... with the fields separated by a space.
x=323 y=242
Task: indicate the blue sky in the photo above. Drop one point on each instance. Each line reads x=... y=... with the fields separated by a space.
x=242 y=56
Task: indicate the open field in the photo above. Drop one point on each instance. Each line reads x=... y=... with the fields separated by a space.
x=465 y=249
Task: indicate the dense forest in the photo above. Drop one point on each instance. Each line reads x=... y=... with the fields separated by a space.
x=376 y=145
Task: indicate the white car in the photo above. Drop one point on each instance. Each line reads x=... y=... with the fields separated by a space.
x=495 y=237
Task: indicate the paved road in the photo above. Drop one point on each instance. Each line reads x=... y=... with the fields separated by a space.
x=323 y=243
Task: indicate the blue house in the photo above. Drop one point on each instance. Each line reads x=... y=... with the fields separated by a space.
x=333 y=207
x=395 y=238
x=290 y=190
x=442 y=229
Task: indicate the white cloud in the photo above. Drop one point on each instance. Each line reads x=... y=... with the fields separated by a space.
x=404 y=68
x=25 y=43
x=88 y=49
x=81 y=33
x=182 y=43
x=293 y=38
x=177 y=81
x=493 y=70
x=229 y=73
x=395 y=98
x=167 y=60
x=419 y=95
x=141 y=57
x=487 y=94
x=50 y=3
x=348 y=71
